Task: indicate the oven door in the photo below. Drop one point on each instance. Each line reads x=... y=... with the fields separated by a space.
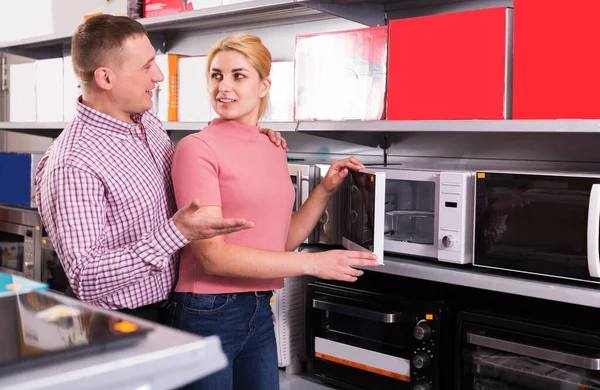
x=361 y=340
x=510 y=354
x=18 y=251
x=53 y=273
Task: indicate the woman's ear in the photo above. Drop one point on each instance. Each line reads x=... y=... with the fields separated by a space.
x=265 y=86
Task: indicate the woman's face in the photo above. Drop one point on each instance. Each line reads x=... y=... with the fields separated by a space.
x=235 y=88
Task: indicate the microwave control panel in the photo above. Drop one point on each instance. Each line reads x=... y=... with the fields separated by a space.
x=456 y=205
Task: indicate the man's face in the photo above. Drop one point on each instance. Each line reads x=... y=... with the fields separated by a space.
x=135 y=75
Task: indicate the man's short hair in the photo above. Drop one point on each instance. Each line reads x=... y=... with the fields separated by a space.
x=98 y=38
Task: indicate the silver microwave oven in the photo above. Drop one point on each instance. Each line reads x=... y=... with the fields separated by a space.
x=422 y=213
x=20 y=238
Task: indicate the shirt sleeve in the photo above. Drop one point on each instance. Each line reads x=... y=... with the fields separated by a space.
x=195 y=173
x=79 y=207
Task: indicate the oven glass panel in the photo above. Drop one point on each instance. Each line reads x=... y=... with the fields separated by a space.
x=491 y=369
x=54 y=274
x=410 y=211
x=533 y=223
x=11 y=251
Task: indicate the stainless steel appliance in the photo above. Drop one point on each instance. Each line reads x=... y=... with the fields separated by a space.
x=537 y=223
x=305 y=178
x=20 y=238
x=517 y=353
x=53 y=273
x=422 y=213
x=359 y=337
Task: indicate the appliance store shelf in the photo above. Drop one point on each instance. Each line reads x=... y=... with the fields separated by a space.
x=259 y=11
x=566 y=126
x=481 y=278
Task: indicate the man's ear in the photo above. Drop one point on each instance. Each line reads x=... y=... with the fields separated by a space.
x=103 y=77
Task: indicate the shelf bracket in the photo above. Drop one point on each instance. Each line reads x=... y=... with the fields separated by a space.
x=370 y=14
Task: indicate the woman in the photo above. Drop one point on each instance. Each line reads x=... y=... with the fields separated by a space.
x=225 y=283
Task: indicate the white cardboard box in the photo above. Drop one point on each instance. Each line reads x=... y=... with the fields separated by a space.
x=71 y=89
x=281 y=94
x=22 y=92
x=49 y=90
x=194 y=103
x=33 y=18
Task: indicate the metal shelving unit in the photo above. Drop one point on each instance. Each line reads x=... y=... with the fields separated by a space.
x=258 y=11
x=568 y=126
x=53 y=129
x=457 y=126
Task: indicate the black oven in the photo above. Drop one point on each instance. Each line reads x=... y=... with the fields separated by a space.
x=520 y=353
x=364 y=339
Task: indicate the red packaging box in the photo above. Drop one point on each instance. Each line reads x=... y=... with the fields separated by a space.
x=165 y=7
x=451 y=66
x=341 y=75
x=556 y=59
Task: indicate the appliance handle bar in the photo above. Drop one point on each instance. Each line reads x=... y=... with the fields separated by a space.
x=298 y=189
x=535 y=352
x=593 y=230
x=372 y=315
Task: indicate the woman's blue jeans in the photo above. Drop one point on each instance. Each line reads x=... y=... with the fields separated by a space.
x=244 y=323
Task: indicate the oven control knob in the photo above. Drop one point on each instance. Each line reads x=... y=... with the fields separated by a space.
x=421 y=360
x=422 y=331
x=448 y=241
x=422 y=385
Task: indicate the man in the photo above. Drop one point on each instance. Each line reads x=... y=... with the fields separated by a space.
x=104 y=187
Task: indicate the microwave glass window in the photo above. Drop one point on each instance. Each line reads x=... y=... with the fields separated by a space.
x=410 y=211
x=487 y=368
x=533 y=223
x=11 y=251
x=294 y=180
x=360 y=223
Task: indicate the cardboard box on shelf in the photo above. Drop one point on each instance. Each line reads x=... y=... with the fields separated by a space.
x=49 y=90
x=34 y=18
x=341 y=75
x=281 y=94
x=21 y=86
x=194 y=103
x=166 y=92
x=450 y=66
x=71 y=89
x=6 y=60
x=17 y=175
x=166 y=7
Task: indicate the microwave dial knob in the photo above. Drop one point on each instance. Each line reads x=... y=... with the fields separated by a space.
x=422 y=331
x=421 y=360
x=422 y=385
x=448 y=241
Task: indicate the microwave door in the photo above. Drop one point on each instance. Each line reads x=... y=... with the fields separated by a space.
x=365 y=206
x=593 y=232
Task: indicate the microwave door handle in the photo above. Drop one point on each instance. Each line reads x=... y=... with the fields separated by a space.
x=371 y=315
x=298 y=189
x=593 y=231
x=535 y=352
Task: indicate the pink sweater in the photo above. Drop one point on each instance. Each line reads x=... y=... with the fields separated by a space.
x=239 y=169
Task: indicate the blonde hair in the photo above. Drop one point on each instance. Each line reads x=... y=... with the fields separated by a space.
x=255 y=52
